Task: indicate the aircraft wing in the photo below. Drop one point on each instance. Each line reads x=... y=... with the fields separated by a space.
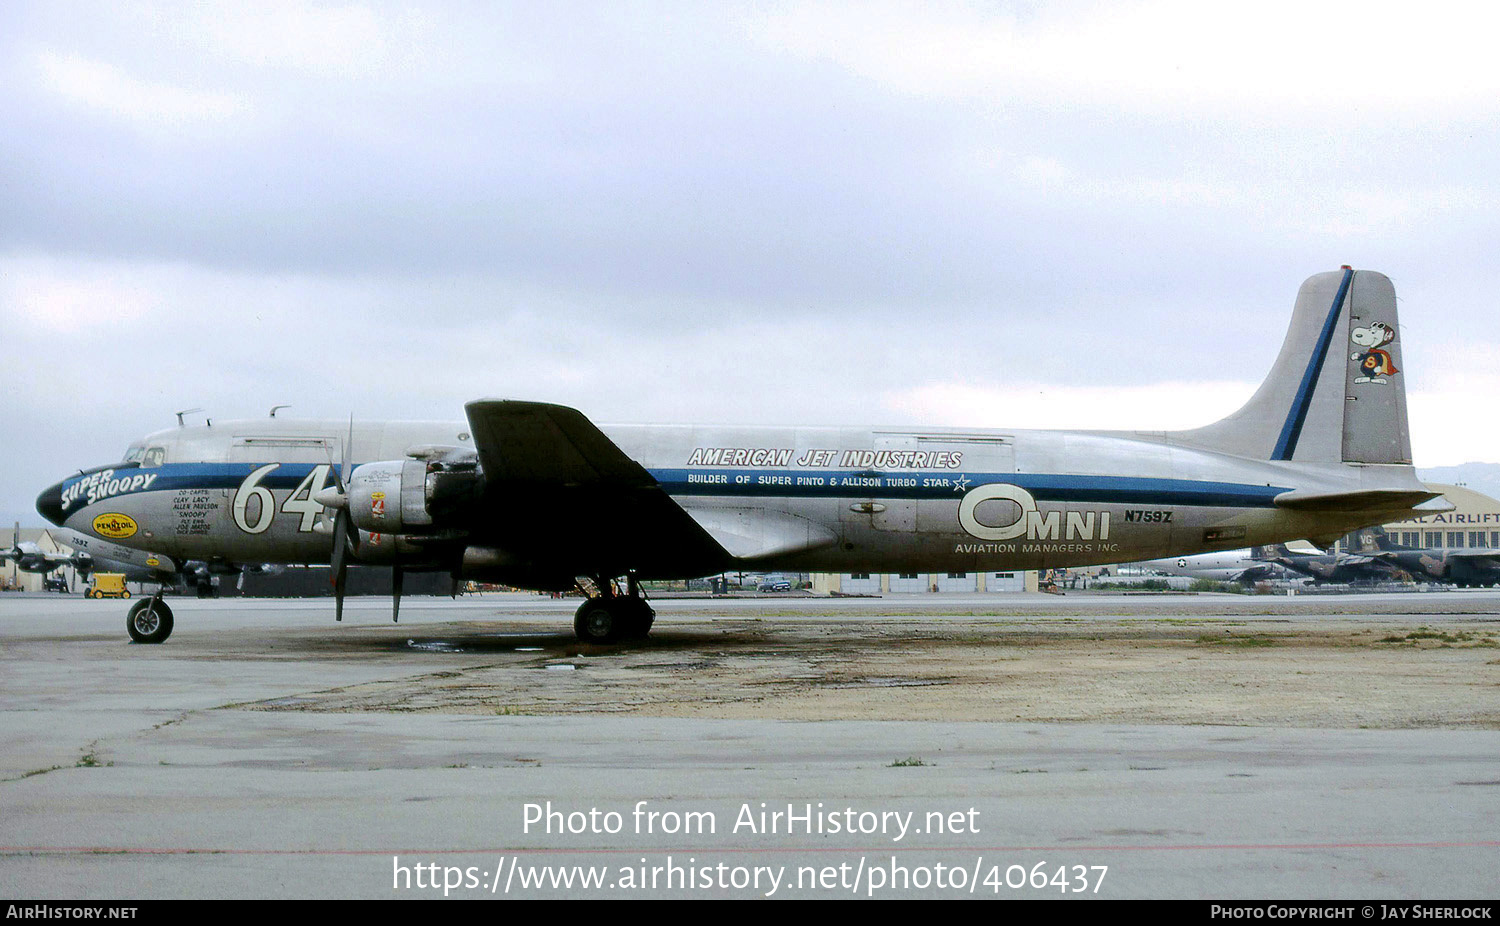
x=534 y=442
x=36 y=560
x=1478 y=555
x=560 y=495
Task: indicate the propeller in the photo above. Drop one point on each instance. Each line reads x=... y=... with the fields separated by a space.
x=345 y=535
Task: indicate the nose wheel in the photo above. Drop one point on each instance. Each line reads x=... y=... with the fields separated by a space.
x=149 y=620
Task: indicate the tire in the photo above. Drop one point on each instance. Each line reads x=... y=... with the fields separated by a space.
x=597 y=622
x=639 y=618
x=88 y=593
x=149 y=621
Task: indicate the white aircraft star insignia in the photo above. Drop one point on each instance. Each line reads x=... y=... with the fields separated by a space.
x=961 y=483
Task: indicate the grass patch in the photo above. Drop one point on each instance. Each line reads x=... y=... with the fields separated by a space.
x=1241 y=642
x=1460 y=637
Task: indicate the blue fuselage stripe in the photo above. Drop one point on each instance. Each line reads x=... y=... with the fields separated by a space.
x=1291 y=430
x=784 y=483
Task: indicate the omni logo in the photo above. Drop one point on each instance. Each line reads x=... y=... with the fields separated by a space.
x=1028 y=521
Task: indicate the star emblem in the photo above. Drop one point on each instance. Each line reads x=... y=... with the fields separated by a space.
x=961 y=483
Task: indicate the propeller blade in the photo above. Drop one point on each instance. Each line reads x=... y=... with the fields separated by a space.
x=398 y=578
x=339 y=562
x=344 y=465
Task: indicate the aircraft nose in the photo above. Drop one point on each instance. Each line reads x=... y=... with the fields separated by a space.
x=50 y=506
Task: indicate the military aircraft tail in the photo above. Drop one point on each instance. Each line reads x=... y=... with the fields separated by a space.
x=1337 y=392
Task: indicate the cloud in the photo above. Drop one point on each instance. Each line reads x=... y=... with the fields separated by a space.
x=997 y=214
x=147 y=105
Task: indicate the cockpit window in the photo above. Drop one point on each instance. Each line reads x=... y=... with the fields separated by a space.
x=156 y=456
x=134 y=452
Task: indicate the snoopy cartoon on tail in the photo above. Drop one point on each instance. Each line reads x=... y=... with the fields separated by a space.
x=1374 y=364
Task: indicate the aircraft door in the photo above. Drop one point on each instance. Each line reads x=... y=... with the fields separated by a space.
x=924 y=494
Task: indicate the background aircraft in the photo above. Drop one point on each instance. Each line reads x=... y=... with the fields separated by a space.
x=1229 y=566
x=1340 y=568
x=30 y=557
x=1465 y=567
x=87 y=555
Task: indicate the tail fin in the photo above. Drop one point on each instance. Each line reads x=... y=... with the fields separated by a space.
x=1337 y=391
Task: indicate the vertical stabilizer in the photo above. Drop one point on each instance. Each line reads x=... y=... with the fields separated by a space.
x=1337 y=392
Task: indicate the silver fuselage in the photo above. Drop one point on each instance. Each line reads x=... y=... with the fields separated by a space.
x=872 y=499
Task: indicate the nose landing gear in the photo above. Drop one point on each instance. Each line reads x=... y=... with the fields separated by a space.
x=149 y=620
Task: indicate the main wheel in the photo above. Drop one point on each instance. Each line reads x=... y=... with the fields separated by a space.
x=149 y=621
x=598 y=621
x=639 y=617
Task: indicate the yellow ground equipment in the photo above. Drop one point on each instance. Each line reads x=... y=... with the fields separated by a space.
x=107 y=585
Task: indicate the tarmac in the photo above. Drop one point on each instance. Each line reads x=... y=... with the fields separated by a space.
x=1121 y=746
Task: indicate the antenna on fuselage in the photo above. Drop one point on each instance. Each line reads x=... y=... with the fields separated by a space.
x=276 y=408
x=185 y=411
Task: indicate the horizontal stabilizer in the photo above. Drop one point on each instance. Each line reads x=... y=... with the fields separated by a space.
x=752 y=533
x=1369 y=499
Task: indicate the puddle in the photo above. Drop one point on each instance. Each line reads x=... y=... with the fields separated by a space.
x=435 y=646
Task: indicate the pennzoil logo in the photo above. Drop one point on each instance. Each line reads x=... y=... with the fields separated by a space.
x=115 y=526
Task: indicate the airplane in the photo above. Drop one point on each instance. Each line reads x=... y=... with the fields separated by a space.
x=536 y=496
x=30 y=557
x=1230 y=566
x=1465 y=567
x=1338 y=568
x=88 y=555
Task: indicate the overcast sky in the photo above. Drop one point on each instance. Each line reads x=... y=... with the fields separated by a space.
x=1009 y=214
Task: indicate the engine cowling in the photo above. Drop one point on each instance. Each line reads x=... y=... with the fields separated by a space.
x=411 y=496
x=390 y=497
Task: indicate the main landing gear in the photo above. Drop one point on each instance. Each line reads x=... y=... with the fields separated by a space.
x=608 y=617
x=150 y=620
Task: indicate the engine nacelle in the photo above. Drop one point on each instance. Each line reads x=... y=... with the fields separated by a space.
x=403 y=550
x=411 y=496
x=390 y=497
